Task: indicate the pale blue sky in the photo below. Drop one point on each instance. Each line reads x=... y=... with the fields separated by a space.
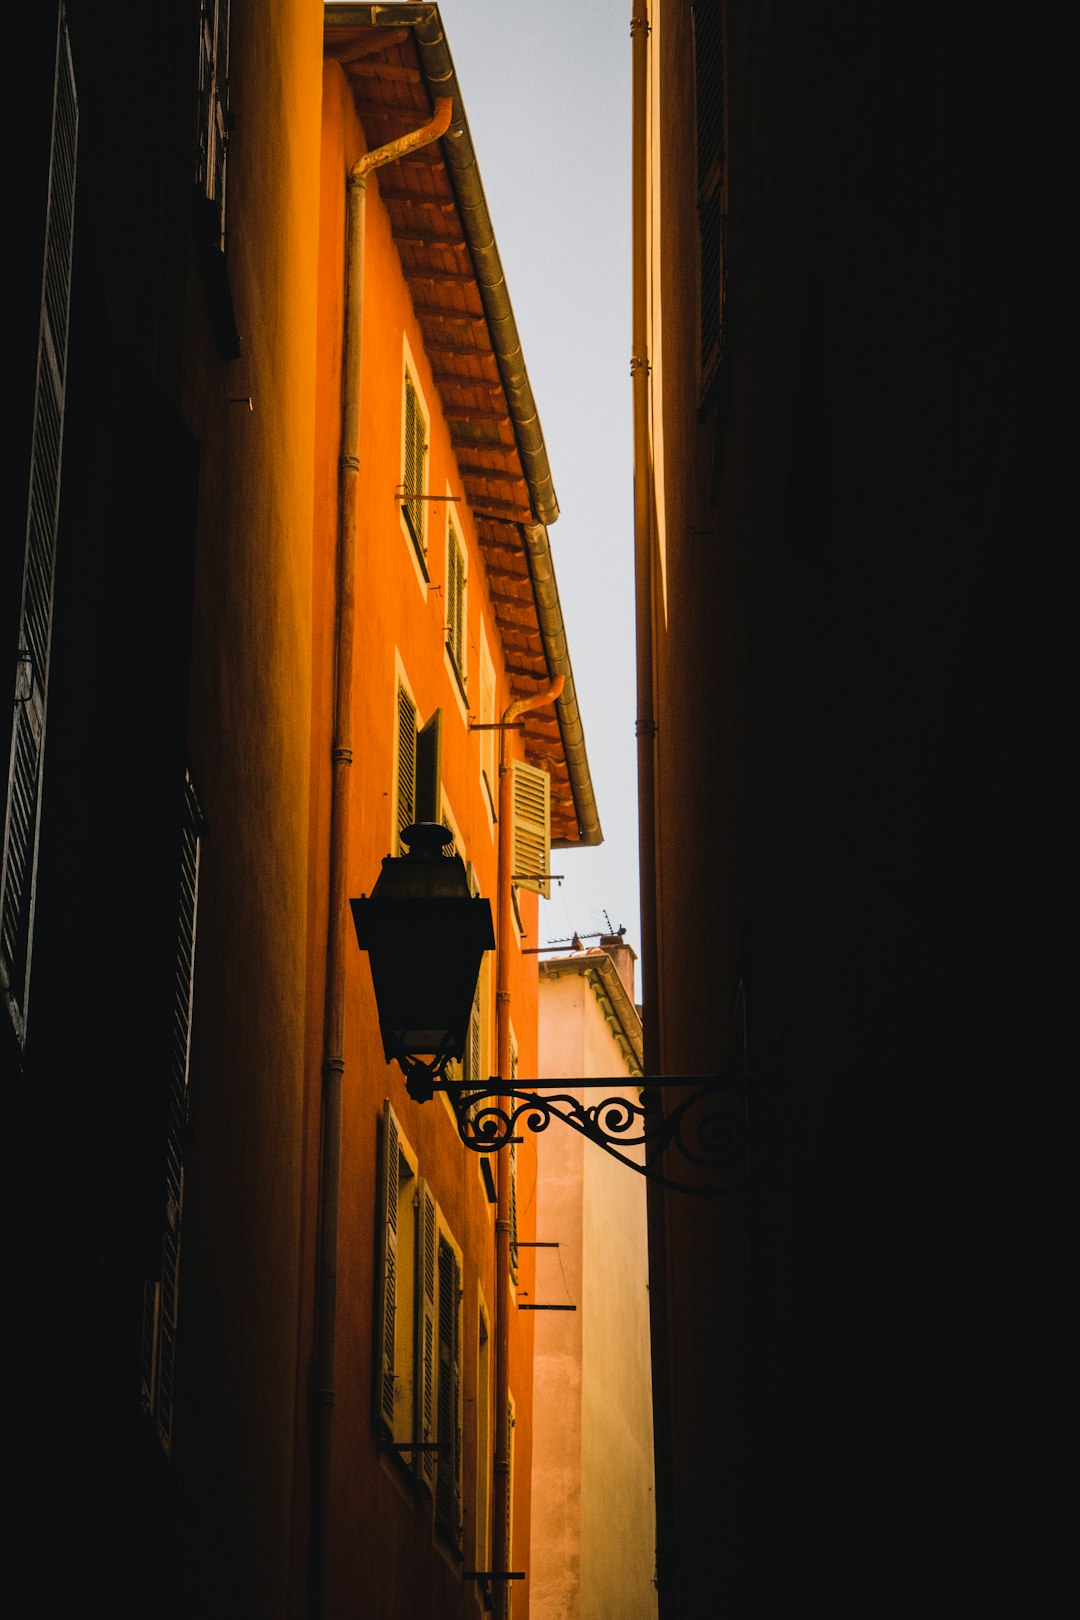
x=546 y=88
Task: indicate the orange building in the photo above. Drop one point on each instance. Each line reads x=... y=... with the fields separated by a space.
x=288 y=591
x=456 y=620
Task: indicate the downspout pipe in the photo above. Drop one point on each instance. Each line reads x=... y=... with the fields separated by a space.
x=333 y=1065
x=500 y=1548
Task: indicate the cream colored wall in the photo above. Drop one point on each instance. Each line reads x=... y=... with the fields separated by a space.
x=593 y=1517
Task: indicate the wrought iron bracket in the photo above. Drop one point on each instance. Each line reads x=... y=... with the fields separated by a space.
x=700 y=1143
x=422 y=1080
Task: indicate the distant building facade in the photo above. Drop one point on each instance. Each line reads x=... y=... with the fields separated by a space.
x=594 y=1521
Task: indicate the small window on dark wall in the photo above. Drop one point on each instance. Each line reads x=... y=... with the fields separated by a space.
x=161 y=1295
x=20 y=812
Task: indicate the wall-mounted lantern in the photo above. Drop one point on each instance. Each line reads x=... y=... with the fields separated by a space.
x=425 y=936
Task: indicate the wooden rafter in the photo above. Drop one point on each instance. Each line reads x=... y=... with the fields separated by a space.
x=497 y=473
x=455 y=351
x=474 y=413
x=445 y=278
x=432 y=312
x=354 y=49
x=397 y=111
x=414 y=236
x=410 y=199
x=384 y=70
x=483 y=508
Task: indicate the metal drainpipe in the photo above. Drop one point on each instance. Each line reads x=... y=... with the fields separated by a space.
x=333 y=1067
x=500 y=1549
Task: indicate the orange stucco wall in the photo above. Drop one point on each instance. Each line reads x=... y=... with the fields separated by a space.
x=382 y=1539
x=249 y=753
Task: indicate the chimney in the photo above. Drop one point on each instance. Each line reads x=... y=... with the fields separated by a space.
x=624 y=956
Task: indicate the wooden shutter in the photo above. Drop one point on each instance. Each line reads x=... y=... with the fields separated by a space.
x=473 y=1045
x=455 y=603
x=425 y=1335
x=406 y=760
x=513 y=1212
x=213 y=111
x=387 y=1274
x=532 y=827
x=429 y=769
x=709 y=85
x=161 y=1298
x=472 y=1050
x=508 y=1589
x=415 y=464
x=22 y=813
x=513 y=1180
x=448 y=1480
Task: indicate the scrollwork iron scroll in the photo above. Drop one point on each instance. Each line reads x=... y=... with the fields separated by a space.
x=699 y=1143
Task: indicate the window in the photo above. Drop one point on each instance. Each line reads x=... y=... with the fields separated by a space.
x=455 y=605
x=417 y=1382
x=510 y=1420
x=419 y=765
x=710 y=98
x=513 y=1176
x=532 y=828
x=414 y=469
x=483 y=1443
x=472 y=1065
x=448 y=1468
x=400 y=1325
x=22 y=807
x=161 y=1296
x=213 y=122
x=487 y=719
x=213 y=114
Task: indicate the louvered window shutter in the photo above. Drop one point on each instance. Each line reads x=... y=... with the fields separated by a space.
x=448 y=1482
x=387 y=1276
x=161 y=1302
x=513 y=1209
x=472 y=1053
x=455 y=605
x=455 y=1366
x=532 y=827
x=425 y=1335
x=429 y=769
x=709 y=84
x=509 y=1420
x=415 y=463
x=213 y=111
x=22 y=813
x=406 y=761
